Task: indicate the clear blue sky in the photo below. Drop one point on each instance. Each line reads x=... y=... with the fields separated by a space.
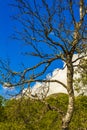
x=7 y=46
x=10 y=48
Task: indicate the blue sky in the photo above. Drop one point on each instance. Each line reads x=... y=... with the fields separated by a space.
x=12 y=49
x=6 y=46
x=9 y=49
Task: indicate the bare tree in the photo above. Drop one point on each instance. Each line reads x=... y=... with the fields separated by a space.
x=55 y=31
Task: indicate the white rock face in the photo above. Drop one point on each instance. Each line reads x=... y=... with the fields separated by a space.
x=53 y=87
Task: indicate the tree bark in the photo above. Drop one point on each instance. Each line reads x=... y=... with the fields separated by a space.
x=67 y=118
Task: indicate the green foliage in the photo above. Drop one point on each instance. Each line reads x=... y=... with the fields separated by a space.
x=79 y=120
x=59 y=100
x=81 y=81
x=11 y=126
x=2 y=107
x=29 y=114
x=1 y=100
x=50 y=121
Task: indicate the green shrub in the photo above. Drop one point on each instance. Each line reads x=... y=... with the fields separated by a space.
x=27 y=114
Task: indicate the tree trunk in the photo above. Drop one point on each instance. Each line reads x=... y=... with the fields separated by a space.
x=67 y=118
